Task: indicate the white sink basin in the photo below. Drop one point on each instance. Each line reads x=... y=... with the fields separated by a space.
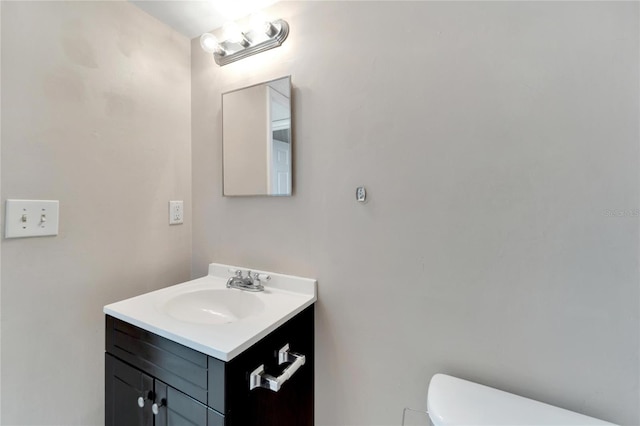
x=203 y=314
x=213 y=306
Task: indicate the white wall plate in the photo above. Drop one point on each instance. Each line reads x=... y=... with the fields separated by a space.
x=31 y=218
x=176 y=212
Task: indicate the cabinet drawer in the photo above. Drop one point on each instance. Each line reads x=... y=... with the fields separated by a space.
x=176 y=365
x=217 y=389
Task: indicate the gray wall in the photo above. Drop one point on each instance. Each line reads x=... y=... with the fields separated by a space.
x=0 y=215
x=499 y=144
x=95 y=113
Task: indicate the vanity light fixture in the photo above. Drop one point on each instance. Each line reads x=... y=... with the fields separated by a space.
x=263 y=35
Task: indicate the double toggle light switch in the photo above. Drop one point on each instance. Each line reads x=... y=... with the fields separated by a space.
x=31 y=218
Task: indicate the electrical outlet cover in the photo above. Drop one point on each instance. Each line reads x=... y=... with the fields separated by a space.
x=176 y=212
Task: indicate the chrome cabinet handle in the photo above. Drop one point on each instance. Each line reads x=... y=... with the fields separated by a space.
x=142 y=399
x=259 y=379
x=155 y=408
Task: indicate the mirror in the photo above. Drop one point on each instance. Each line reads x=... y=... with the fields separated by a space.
x=256 y=139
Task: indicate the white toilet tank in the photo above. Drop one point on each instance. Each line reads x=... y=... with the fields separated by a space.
x=452 y=401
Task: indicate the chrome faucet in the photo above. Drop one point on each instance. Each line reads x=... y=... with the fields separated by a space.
x=252 y=282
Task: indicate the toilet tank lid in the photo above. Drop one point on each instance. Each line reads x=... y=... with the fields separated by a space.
x=453 y=401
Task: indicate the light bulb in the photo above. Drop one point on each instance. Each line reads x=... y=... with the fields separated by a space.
x=261 y=25
x=232 y=32
x=209 y=43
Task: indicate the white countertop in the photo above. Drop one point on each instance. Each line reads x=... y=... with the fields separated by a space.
x=284 y=297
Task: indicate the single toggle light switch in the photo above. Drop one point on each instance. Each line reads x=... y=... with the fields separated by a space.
x=31 y=218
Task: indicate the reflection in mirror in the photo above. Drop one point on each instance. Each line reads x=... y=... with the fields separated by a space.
x=256 y=139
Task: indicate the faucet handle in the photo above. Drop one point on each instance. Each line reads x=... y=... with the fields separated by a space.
x=263 y=277
x=236 y=272
x=258 y=277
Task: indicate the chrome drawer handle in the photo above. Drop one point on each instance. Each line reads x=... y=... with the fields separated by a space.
x=259 y=379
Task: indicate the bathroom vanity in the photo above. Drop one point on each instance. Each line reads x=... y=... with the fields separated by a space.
x=202 y=354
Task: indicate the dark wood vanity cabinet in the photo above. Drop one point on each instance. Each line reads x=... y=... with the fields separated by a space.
x=131 y=396
x=153 y=381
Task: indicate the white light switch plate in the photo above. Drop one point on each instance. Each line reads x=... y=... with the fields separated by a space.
x=31 y=218
x=176 y=212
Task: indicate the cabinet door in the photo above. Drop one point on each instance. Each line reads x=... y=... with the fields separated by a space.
x=292 y=405
x=177 y=409
x=124 y=385
x=214 y=418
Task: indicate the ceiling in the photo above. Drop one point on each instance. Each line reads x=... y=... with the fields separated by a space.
x=192 y=18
